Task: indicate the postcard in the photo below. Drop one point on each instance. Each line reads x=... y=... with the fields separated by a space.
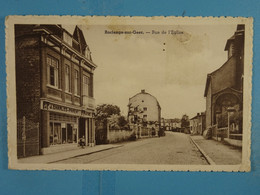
x=129 y=93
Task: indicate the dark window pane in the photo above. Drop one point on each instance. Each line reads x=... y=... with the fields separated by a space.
x=52 y=79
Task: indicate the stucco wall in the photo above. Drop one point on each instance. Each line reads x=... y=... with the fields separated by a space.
x=119 y=135
x=148 y=101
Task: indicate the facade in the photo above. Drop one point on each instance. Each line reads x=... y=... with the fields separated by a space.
x=224 y=86
x=143 y=108
x=54 y=87
x=171 y=124
x=198 y=124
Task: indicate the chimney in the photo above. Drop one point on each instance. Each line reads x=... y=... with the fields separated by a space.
x=143 y=91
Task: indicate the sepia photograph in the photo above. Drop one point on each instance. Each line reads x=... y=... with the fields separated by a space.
x=129 y=93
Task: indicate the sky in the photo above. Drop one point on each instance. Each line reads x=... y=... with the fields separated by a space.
x=171 y=67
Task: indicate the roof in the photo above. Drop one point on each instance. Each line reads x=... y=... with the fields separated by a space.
x=207 y=84
x=209 y=76
x=229 y=41
x=78 y=36
x=175 y=120
x=198 y=115
x=143 y=92
x=240 y=29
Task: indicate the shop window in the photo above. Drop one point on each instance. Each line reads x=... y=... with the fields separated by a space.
x=55 y=133
x=67 y=79
x=53 y=71
x=76 y=82
x=69 y=134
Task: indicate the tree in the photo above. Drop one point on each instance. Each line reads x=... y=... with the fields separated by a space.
x=105 y=111
x=122 y=122
x=185 y=122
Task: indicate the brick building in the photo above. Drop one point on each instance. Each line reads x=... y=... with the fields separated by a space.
x=224 y=86
x=54 y=87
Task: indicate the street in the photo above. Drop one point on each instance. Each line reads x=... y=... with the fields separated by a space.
x=174 y=148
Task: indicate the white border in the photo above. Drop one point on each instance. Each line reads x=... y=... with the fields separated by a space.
x=114 y=20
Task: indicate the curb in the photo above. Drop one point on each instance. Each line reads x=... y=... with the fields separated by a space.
x=85 y=154
x=208 y=159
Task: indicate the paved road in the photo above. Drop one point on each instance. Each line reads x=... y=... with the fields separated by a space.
x=174 y=148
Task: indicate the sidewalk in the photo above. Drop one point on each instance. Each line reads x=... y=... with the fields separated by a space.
x=217 y=152
x=54 y=157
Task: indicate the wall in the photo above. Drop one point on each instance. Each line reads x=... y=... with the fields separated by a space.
x=28 y=77
x=146 y=100
x=119 y=135
x=208 y=107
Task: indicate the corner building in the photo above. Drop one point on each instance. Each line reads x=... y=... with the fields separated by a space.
x=54 y=87
x=143 y=107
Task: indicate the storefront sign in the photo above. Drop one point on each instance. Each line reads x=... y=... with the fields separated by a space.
x=64 y=109
x=85 y=113
x=59 y=108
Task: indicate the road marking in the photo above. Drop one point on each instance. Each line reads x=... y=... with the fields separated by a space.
x=208 y=159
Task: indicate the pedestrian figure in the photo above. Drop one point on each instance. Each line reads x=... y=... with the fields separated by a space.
x=82 y=142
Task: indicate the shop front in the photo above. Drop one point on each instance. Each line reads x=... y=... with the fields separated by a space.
x=63 y=129
x=62 y=126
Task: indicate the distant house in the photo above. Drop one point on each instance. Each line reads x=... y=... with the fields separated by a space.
x=171 y=124
x=198 y=124
x=144 y=109
x=224 y=86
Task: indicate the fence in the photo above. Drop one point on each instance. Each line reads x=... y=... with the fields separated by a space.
x=229 y=125
x=27 y=138
x=145 y=131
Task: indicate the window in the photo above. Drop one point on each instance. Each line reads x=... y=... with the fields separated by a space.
x=145 y=108
x=67 y=79
x=85 y=86
x=76 y=81
x=145 y=118
x=55 y=133
x=53 y=71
